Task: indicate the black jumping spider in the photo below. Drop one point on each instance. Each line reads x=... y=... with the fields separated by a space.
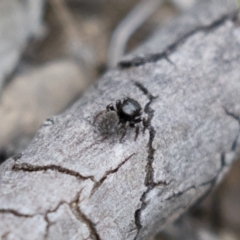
x=127 y=112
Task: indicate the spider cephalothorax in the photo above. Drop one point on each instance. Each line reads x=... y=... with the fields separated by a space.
x=127 y=112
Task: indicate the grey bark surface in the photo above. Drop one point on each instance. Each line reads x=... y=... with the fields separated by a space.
x=73 y=183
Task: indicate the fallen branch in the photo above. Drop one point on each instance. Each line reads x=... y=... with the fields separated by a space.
x=73 y=183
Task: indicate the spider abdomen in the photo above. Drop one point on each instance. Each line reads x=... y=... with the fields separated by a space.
x=127 y=113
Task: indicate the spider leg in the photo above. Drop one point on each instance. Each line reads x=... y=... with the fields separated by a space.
x=137 y=120
x=125 y=99
x=122 y=125
x=132 y=124
x=124 y=131
x=110 y=108
x=145 y=124
x=123 y=135
x=136 y=132
x=118 y=105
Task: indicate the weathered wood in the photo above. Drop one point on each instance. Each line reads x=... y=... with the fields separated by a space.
x=73 y=183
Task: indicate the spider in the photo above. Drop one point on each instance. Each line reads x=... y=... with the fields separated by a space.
x=127 y=112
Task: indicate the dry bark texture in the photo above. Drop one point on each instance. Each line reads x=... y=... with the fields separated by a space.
x=72 y=183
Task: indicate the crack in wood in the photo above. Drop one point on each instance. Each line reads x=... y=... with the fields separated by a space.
x=237 y=118
x=139 y=61
x=211 y=182
x=49 y=223
x=35 y=168
x=109 y=172
x=15 y=212
x=74 y=206
x=4 y=236
x=149 y=181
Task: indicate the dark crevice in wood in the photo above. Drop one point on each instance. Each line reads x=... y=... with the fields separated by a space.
x=211 y=182
x=49 y=223
x=5 y=236
x=100 y=182
x=33 y=168
x=74 y=205
x=16 y=213
x=149 y=181
x=139 y=61
x=237 y=118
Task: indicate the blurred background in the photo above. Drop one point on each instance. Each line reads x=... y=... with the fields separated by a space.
x=52 y=50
